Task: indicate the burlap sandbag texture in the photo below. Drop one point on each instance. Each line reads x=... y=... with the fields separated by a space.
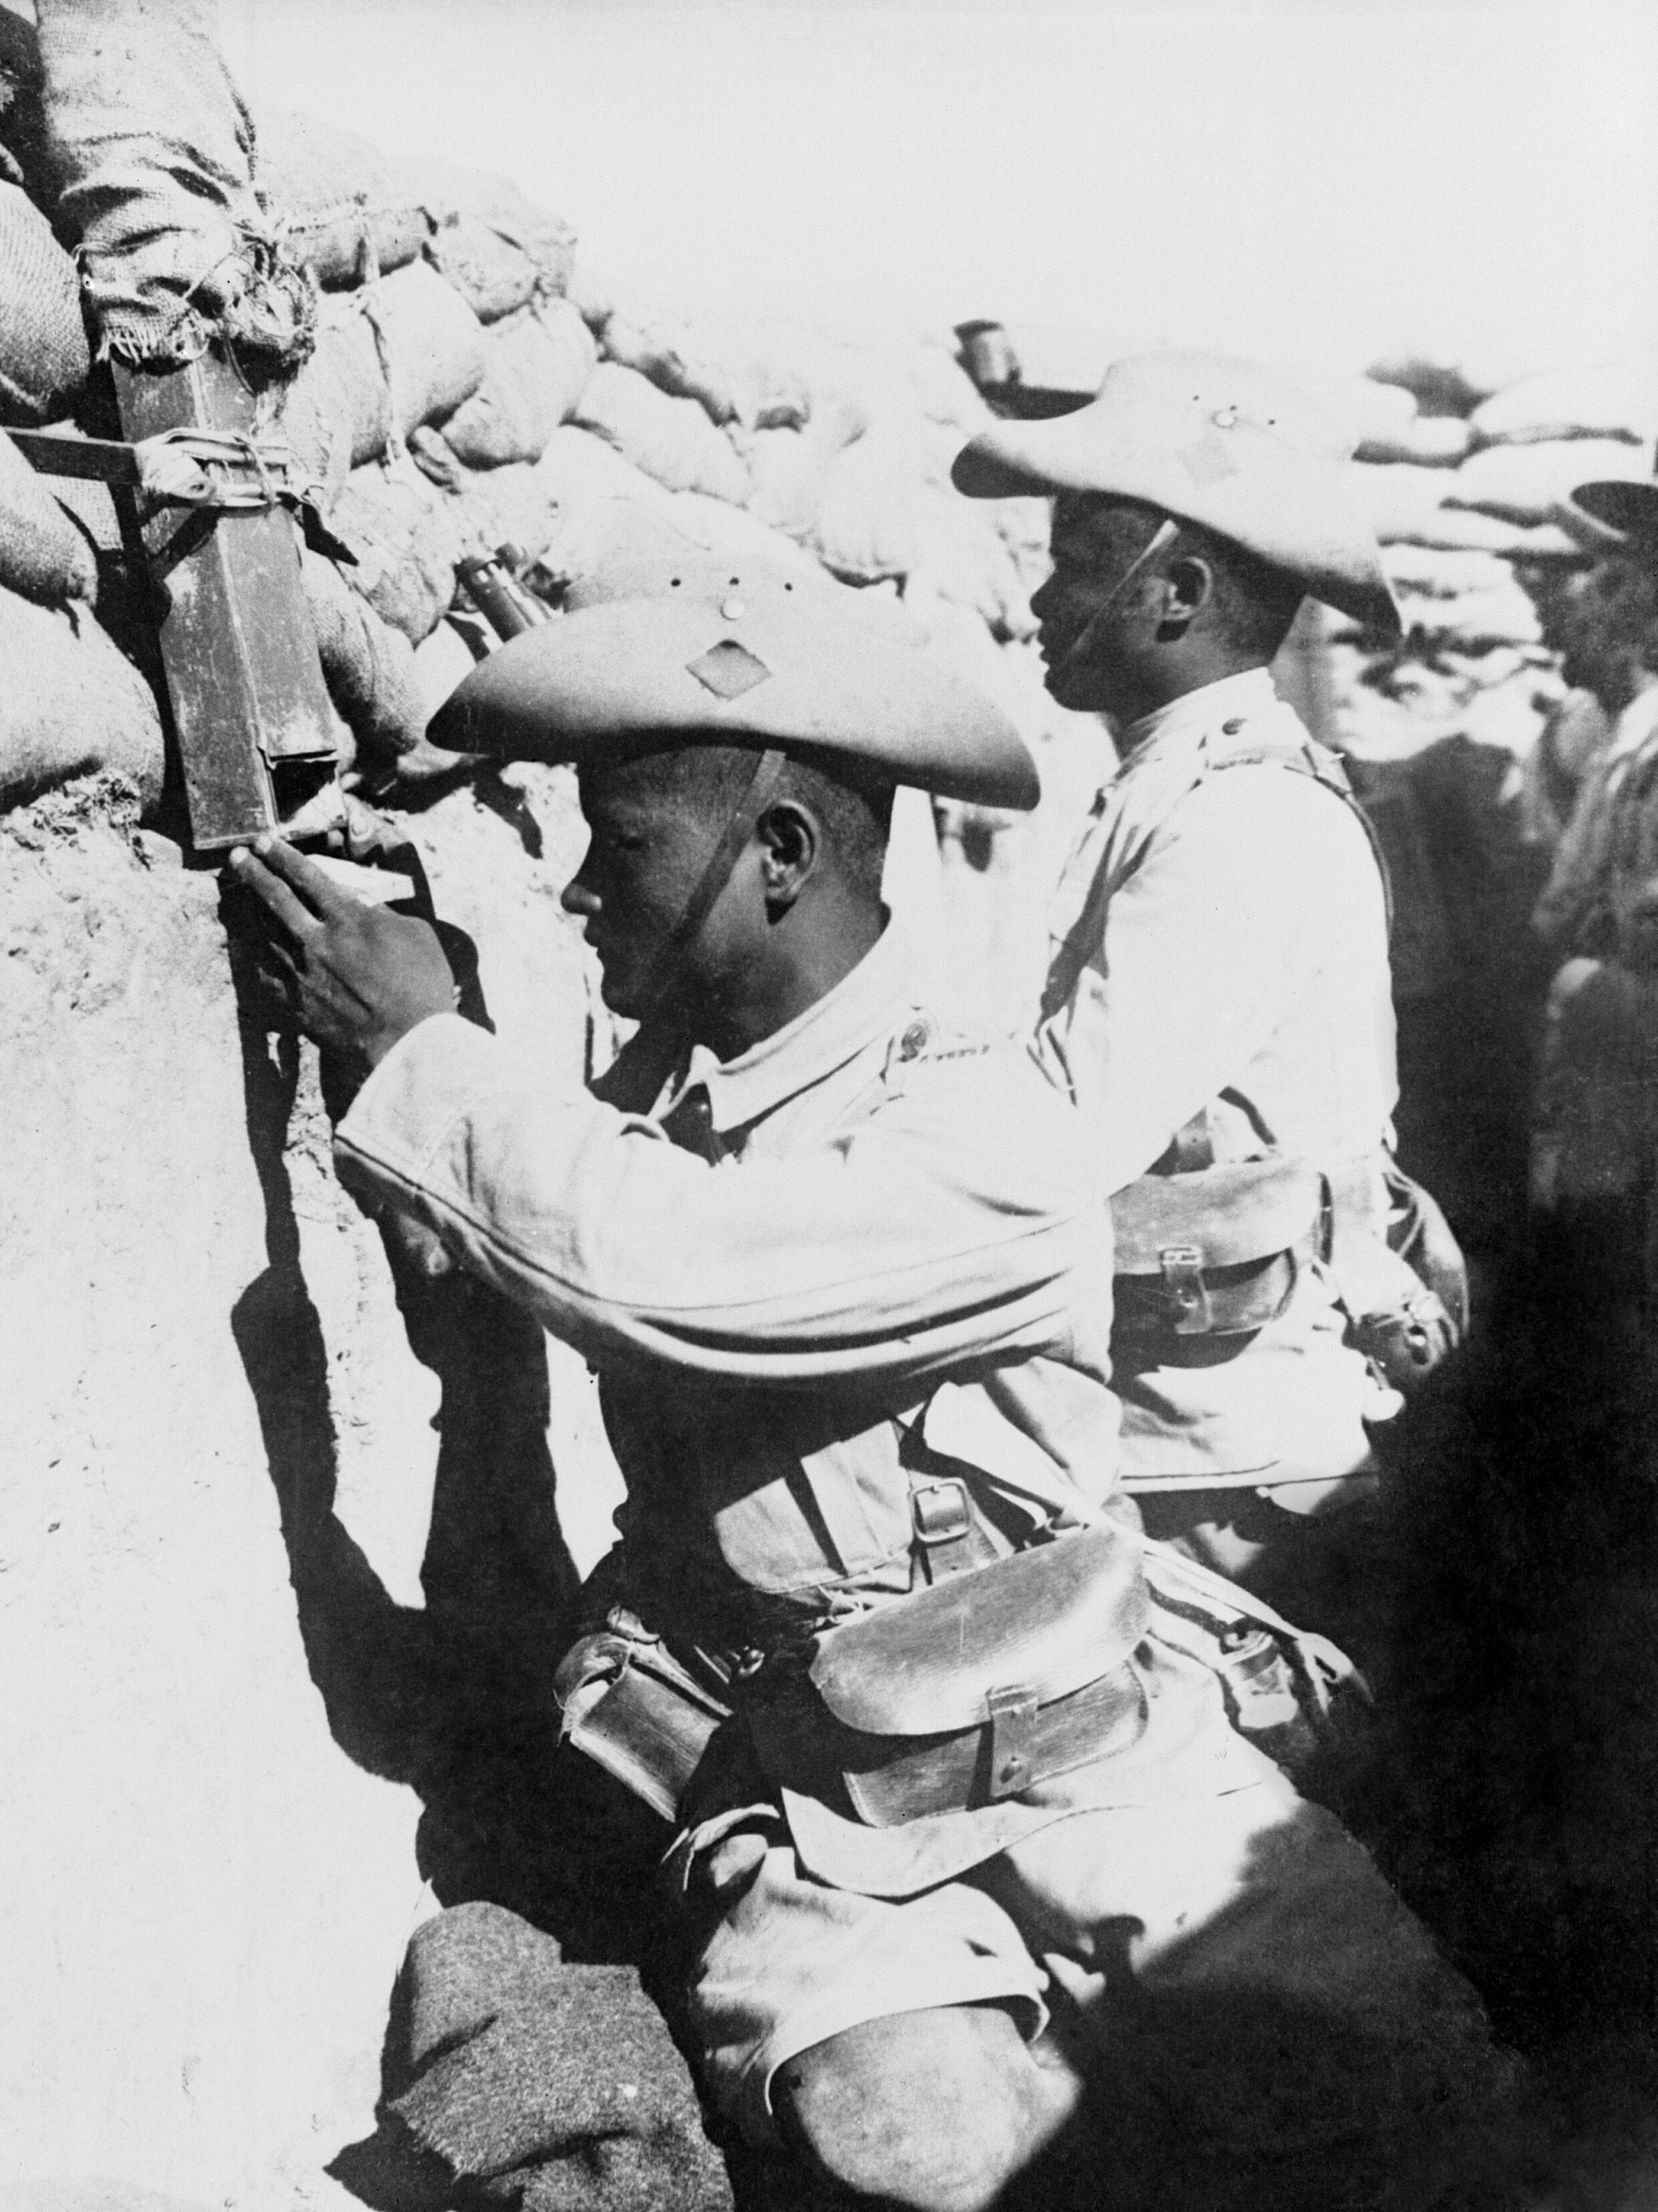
x=44 y=354
x=406 y=351
x=407 y=537
x=42 y=555
x=537 y=365
x=671 y=440
x=331 y=200
x=152 y=145
x=369 y=667
x=71 y=705
x=493 y=276
x=447 y=188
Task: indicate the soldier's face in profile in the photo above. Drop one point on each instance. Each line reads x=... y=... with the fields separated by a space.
x=645 y=857
x=1088 y=622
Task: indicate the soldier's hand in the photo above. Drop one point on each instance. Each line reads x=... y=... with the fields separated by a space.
x=359 y=977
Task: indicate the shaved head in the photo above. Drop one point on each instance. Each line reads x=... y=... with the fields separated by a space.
x=709 y=780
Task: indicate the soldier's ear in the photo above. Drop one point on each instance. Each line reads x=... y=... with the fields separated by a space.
x=791 y=841
x=1188 y=585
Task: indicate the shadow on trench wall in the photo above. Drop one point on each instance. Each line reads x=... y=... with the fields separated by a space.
x=455 y=1699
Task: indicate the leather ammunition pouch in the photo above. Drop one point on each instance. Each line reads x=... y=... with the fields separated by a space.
x=974 y=1689
x=630 y=1705
x=1216 y=1252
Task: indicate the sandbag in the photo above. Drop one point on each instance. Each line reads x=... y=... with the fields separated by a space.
x=578 y=466
x=509 y=505
x=671 y=440
x=89 y=507
x=1427 y=440
x=22 y=120
x=493 y=276
x=867 y=527
x=788 y=473
x=961 y=558
x=600 y=532
x=407 y=537
x=536 y=364
x=327 y=192
x=1529 y=483
x=42 y=555
x=154 y=146
x=404 y=351
x=1472 y=621
x=721 y=528
x=1463 y=529
x=446 y=188
x=1440 y=573
x=71 y=705
x=736 y=374
x=1393 y=499
x=663 y=349
x=945 y=394
x=1616 y=403
x=369 y=668
x=44 y=354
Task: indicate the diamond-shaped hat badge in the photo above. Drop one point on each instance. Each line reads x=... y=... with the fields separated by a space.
x=728 y=669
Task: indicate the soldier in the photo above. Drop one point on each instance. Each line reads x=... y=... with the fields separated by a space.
x=962 y=1842
x=1595 y=1141
x=1217 y=1001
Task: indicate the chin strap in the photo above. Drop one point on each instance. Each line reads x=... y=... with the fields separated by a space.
x=740 y=827
x=1165 y=534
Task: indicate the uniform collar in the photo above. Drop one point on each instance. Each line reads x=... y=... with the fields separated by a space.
x=1636 y=723
x=1249 y=692
x=863 y=1006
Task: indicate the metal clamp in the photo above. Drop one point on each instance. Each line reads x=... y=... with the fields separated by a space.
x=1013 y=1709
x=184 y=467
x=1191 y=1314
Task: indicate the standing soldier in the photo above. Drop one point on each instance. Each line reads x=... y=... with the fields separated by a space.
x=1595 y=1147
x=1218 y=996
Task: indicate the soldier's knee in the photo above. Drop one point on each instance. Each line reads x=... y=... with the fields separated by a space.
x=934 y=2110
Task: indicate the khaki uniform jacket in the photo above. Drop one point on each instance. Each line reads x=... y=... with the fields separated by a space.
x=1229 y=924
x=860 y=1227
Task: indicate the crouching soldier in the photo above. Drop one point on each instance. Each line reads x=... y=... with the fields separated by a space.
x=971 y=1872
x=1218 y=999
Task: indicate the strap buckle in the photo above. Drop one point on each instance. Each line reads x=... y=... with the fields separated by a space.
x=1013 y=1709
x=939 y=1508
x=1191 y=1314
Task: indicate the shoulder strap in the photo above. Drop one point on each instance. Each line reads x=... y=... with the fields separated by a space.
x=1308 y=758
x=1321 y=766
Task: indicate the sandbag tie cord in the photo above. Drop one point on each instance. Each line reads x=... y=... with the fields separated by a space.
x=184 y=467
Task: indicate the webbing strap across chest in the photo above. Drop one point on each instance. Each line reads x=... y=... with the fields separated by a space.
x=1323 y=766
x=1309 y=759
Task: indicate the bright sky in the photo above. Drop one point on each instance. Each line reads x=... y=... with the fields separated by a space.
x=1320 y=182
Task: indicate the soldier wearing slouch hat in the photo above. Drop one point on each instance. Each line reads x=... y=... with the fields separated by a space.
x=956 y=1836
x=1219 y=997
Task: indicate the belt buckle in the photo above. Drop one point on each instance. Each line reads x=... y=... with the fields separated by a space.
x=1187 y=1292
